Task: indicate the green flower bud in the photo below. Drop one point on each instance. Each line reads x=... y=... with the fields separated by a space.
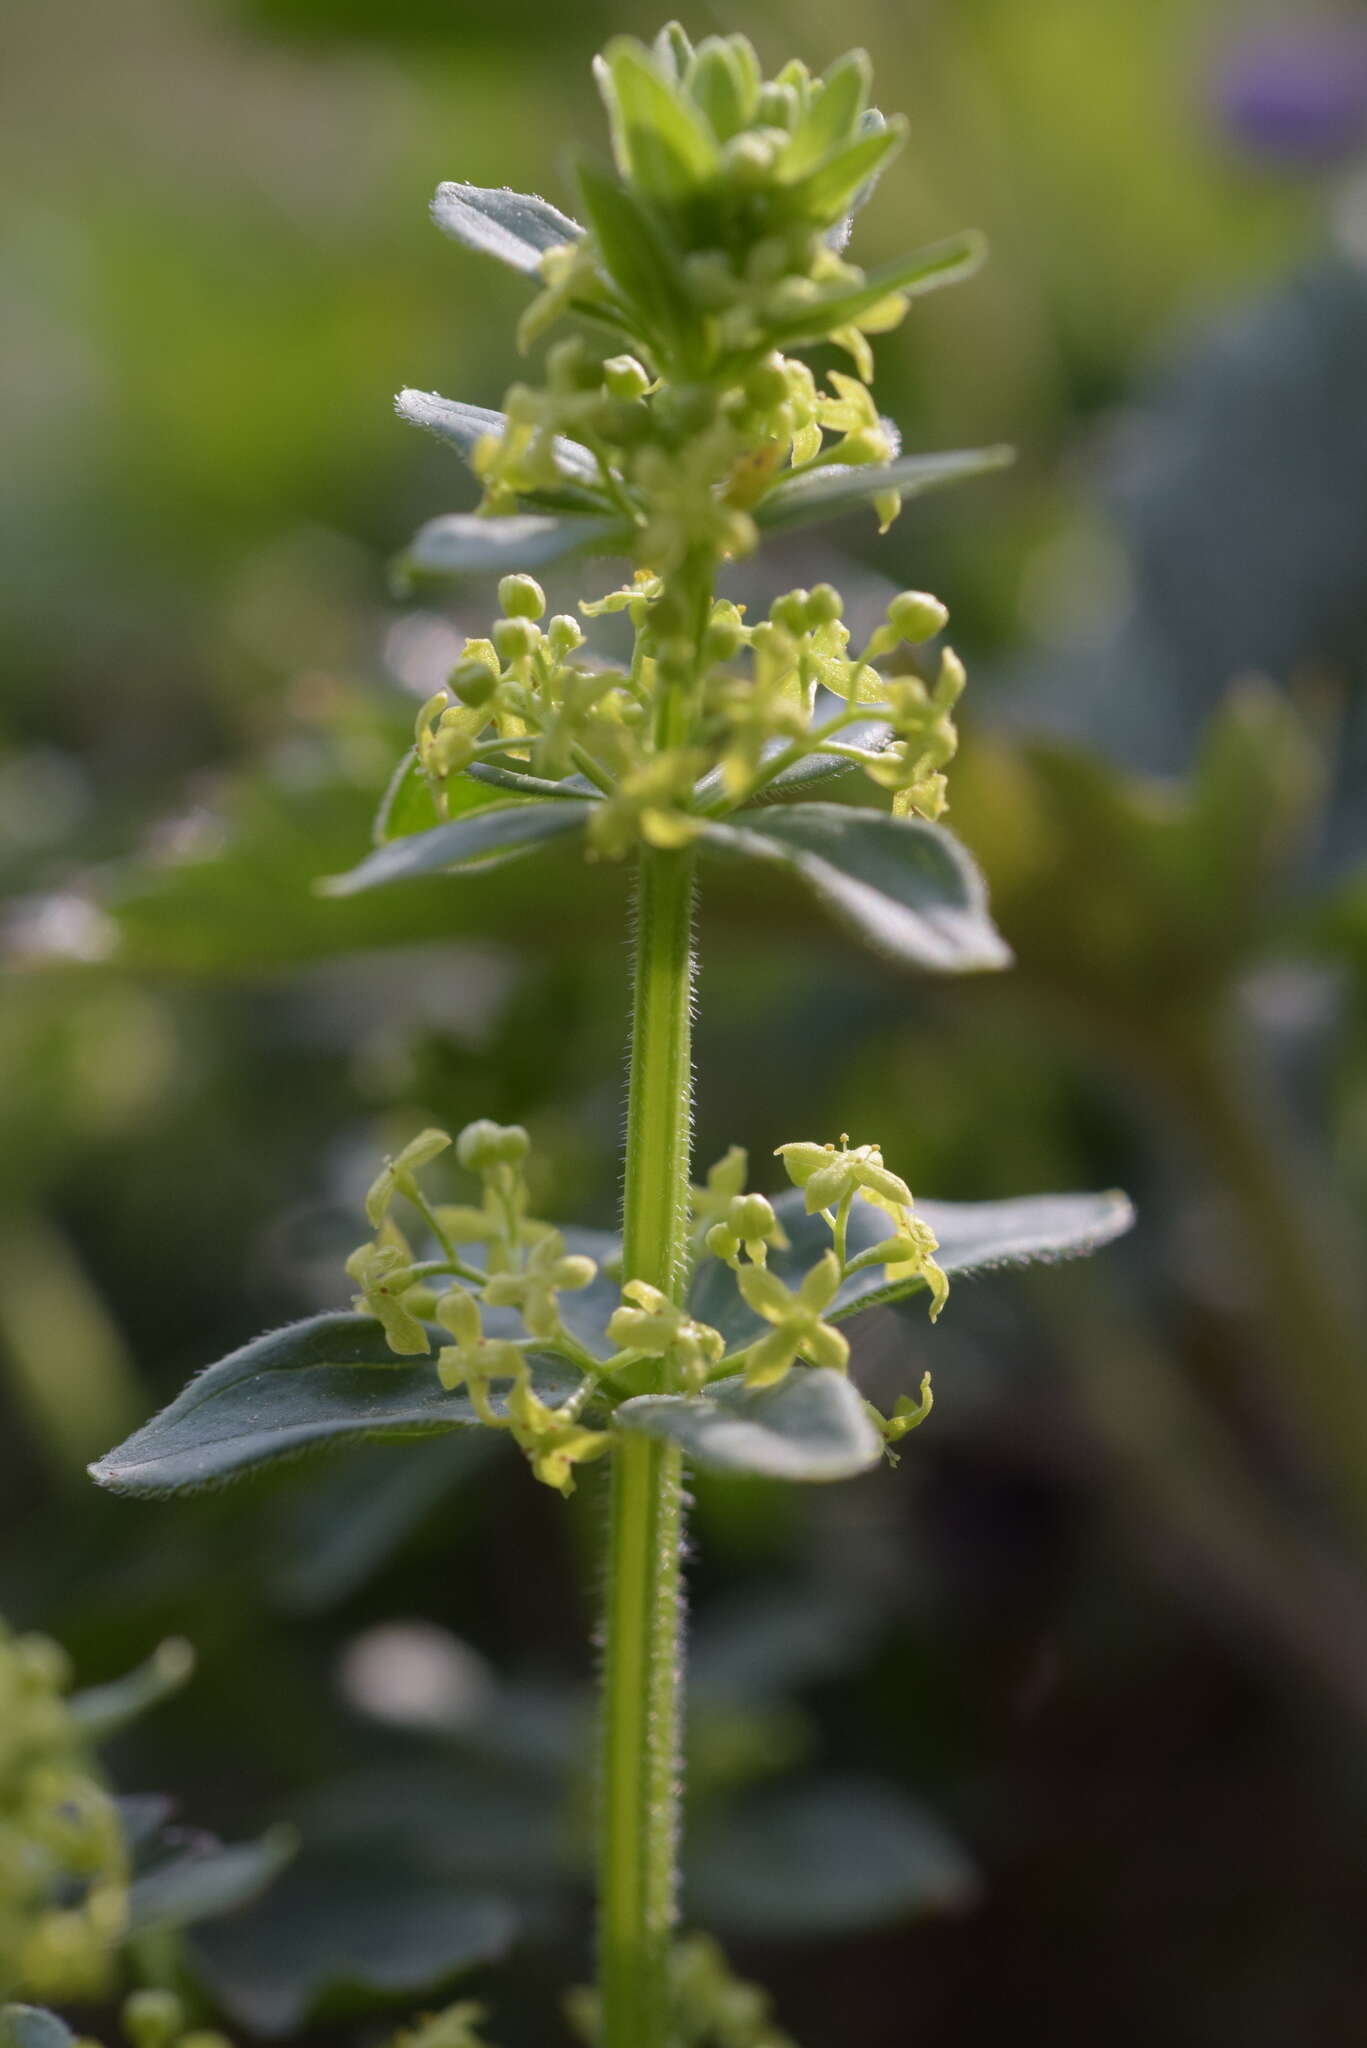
x=752 y=1218
x=867 y=445
x=515 y=639
x=825 y=605
x=917 y=616
x=779 y=106
x=723 y=640
x=472 y=683
x=152 y=2019
x=574 y=1271
x=484 y=1144
x=748 y=159
x=563 y=635
x=723 y=1243
x=790 y=611
x=767 y=385
x=625 y=378
x=521 y=597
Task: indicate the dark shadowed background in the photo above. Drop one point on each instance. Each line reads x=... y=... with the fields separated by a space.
x=1060 y=1729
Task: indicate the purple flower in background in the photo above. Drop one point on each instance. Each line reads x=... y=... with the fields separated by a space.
x=1298 y=93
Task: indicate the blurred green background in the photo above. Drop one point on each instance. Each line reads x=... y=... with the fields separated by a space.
x=1091 y=1666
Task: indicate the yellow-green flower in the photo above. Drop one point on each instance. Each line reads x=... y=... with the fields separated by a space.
x=798 y=1331
x=398 y=1175
x=384 y=1274
x=549 y=1271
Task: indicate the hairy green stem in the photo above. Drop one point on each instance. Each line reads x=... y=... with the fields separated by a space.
x=642 y=1674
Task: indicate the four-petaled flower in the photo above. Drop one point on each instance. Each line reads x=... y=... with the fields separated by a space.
x=550 y=1270
x=798 y=1330
x=830 y=1178
x=398 y=1175
x=384 y=1274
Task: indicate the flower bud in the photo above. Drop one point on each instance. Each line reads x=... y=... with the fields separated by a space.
x=752 y=1218
x=723 y=640
x=472 y=683
x=767 y=385
x=625 y=377
x=825 y=605
x=749 y=159
x=451 y=748
x=485 y=1144
x=564 y=635
x=515 y=638
x=521 y=597
x=790 y=611
x=916 y=616
x=574 y=1271
x=778 y=105
x=722 y=1242
x=153 y=2019
x=866 y=445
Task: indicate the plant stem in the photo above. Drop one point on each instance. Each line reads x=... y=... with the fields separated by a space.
x=642 y=1675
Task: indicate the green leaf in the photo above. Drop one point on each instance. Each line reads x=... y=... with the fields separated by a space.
x=723 y=86
x=947 y=262
x=102 y=1710
x=662 y=145
x=974 y=1238
x=826 y=493
x=480 y=840
x=335 y=1531
x=339 y=1934
x=831 y=115
x=33 y=2026
x=830 y=1859
x=516 y=227
x=464 y=544
x=199 y=1883
x=828 y=189
x=872 y=733
x=328 y=1380
x=463 y=427
x=574 y=789
x=812 y=1426
x=838 y=236
x=906 y=887
x=481 y=1817
x=642 y=262
x=408 y=804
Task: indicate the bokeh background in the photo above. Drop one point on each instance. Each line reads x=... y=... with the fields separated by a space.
x=1060 y=1729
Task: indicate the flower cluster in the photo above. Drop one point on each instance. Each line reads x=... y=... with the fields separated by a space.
x=484 y=1298
x=63 y=1865
x=527 y=703
x=673 y=420
x=717 y=248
